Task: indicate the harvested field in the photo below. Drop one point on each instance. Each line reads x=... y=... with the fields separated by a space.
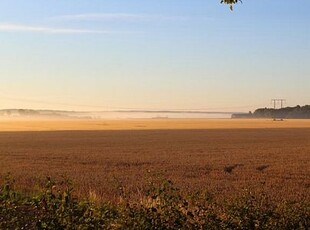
x=29 y=124
x=225 y=161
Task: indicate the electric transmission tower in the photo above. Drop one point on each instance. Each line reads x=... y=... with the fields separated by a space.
x=275 y=103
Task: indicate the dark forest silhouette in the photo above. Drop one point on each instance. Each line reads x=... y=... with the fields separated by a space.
x=297 y=112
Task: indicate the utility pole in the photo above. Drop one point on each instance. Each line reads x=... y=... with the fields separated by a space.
x=275 y=101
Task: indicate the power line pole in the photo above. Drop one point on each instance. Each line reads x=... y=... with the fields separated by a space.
x=275 y=101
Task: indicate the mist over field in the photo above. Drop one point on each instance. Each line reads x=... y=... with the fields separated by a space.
x=124 y=114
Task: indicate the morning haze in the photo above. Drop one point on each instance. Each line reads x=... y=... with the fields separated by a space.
x=159 y=55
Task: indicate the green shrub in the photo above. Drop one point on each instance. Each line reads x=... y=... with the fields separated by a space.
x=162 y=207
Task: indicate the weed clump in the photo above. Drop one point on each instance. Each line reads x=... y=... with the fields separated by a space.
x=262 y=167
x=161 y=207
x=230 y=168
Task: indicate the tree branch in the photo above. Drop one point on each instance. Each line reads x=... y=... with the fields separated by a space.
x=231 y=2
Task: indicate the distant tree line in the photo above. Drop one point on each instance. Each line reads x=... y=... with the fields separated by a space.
x=288 y=112
x=297 y=112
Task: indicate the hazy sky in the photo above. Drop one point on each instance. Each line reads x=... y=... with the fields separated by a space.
x=153 y=54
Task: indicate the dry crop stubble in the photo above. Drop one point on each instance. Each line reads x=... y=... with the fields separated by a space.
x=225 y=161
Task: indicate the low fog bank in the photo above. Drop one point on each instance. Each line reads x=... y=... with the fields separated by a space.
x=59 y=114
x=46 y=114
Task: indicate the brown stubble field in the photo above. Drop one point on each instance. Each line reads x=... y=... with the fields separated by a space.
x=223 y=161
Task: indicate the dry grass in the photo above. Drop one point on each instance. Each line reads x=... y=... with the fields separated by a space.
x=225 y=161
x=145 y=124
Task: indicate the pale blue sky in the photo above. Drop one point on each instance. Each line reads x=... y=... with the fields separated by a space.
x=153 y=54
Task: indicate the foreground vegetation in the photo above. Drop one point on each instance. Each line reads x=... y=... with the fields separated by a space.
x=161 y=207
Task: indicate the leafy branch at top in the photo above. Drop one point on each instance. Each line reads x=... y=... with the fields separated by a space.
x=230 y=2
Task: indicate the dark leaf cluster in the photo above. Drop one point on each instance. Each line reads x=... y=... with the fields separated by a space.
x=231 y=2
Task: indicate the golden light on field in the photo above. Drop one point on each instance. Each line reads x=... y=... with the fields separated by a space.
x=145 y=124
x=224 y=161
